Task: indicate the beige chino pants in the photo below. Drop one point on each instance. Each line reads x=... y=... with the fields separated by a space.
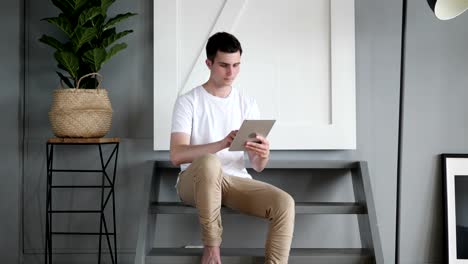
x=204 y=186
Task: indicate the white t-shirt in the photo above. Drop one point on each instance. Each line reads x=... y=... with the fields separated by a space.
x=208 y=118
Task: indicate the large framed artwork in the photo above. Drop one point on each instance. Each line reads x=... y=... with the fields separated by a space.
x=298 y=63
x=455 y=174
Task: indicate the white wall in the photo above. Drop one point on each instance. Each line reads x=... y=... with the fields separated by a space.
x=301 y=71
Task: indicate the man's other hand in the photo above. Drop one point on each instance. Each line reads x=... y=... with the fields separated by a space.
x=261 y=149
x=227 y=141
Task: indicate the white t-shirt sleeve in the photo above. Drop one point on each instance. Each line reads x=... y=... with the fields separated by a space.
x=182 y=116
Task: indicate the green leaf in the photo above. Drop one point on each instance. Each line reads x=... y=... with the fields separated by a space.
x=69 y=6
x=108 y=33
x=62 y=23
x=98 y=21
x=105 y=4
x=88 y=15
x=54 y=43
x=92 y=37
x=95 y=57
x=117 y=19
x=62 y=6
x=60 y=66
x=88 y=83
x=65 y=79
x=75 y=4
x=69 y=61
x=114 y=49
x=107 y=41
x=82 y=35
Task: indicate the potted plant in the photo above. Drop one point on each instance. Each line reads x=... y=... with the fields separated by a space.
x=89 y=41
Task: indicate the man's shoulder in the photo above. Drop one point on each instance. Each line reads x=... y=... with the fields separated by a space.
x=191 y=92
x=189 y=95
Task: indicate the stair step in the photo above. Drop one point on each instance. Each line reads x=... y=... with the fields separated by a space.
x=301 y=208
x=287 y=164
x=348 y=254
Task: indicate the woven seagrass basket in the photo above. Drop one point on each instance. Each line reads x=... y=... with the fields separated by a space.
x=82 y=113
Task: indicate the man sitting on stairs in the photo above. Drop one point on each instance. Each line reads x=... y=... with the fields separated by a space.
x=204 y=123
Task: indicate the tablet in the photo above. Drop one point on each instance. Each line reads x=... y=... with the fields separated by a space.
x=248 y=131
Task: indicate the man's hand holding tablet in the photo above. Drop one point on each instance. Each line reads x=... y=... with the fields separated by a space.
x=249 y=131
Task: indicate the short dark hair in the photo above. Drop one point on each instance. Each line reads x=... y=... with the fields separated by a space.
x=222 y=41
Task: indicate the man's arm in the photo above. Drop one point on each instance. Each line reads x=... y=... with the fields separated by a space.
x=259 y=153
x=182 y=152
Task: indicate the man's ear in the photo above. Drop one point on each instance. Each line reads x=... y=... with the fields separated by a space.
x=209 y=63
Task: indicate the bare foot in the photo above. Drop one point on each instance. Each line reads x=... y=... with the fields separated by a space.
x=211 y=255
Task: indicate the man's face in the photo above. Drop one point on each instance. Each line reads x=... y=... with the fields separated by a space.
x=224 y=68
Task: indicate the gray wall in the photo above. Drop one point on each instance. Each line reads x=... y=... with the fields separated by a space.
x=10 y=132
x=129 y=80
x=433 y=123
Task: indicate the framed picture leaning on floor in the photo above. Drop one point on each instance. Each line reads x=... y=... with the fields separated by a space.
x=455 y=178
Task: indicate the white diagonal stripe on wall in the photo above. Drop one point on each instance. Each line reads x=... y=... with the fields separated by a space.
x=226 y=21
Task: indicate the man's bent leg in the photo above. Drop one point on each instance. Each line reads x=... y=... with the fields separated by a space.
x=267 y=201
x=200 y=186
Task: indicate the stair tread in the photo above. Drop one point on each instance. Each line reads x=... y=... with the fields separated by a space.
x=301 y=208
x=287 y=164
x=259 y=252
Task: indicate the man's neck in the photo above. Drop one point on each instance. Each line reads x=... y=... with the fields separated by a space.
x=218 y=91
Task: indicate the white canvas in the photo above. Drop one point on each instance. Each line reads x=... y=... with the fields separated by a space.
x=298 y=63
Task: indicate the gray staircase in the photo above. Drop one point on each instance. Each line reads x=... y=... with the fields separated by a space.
x=363 y=207
x=301 y=208
x=313 y=255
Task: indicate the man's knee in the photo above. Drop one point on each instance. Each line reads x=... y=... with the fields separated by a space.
x=208 y=161
x=285 y=204
x=209 y=166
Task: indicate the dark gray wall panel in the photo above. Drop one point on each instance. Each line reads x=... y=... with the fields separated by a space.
x=10 y=129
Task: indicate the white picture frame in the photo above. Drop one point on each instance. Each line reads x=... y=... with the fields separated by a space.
x=455 y=178
x=310 y=116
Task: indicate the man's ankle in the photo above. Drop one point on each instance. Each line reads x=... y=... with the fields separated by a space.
x=212 y=248
x=211 y=255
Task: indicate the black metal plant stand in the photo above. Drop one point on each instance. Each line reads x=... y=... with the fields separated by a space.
x=107 y=183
